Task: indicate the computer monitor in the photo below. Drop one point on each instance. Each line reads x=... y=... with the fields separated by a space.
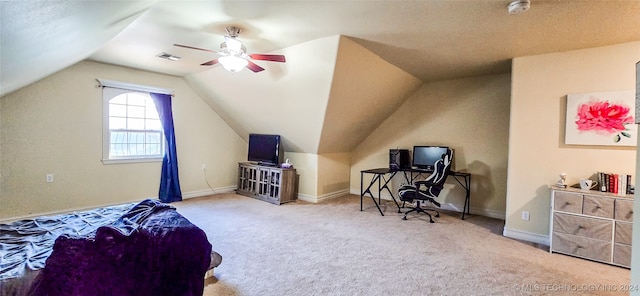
x=424 y=157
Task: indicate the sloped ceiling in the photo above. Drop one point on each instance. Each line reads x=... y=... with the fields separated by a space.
x=312 y=94
x=431 y=40
x=289 y=100
x=39 y=38
x=328 y=104
x=365 y=91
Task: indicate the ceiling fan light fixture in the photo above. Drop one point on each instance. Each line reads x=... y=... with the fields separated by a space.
x=233 y=55
x=518 y=6
x=233 y=44
x=233 y=63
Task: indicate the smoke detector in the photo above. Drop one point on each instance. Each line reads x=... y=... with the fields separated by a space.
x=518 y=6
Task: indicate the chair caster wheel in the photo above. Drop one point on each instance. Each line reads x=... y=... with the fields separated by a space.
x=432 y=221
x=438 y=215
x=404 y=218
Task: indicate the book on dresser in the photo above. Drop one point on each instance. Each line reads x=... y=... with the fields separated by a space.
x=591 y=224
x=615 y=183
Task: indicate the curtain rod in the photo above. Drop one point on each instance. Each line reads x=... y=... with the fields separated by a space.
x=132 y=86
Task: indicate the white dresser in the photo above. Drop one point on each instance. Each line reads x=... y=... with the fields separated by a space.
x=591 y=224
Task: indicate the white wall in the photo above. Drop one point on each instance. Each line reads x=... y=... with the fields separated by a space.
x=54 y=126
x=537 y=153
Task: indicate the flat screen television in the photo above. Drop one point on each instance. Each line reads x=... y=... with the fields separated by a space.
x=424 y=157
x=265 y=149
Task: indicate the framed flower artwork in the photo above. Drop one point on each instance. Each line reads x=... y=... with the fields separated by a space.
x=603 y=118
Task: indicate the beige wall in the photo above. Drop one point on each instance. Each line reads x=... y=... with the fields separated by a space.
x=470 y=115
x=365 y=90
x=55 y=126
x=537 y=153
x=321 y=176
x=306 y=165
x=333 y=174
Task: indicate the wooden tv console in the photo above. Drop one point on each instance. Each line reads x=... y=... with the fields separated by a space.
x=268 y=183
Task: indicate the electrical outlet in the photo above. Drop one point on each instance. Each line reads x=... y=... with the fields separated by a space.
x=204 y=166
x=525 y=215
x=49 y=178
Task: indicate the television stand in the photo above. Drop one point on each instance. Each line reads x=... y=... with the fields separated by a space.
x=267 y=183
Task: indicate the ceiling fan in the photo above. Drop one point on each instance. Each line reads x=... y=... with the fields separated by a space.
x=233 y=55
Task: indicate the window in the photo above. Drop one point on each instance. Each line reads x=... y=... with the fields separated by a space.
x=132 y=131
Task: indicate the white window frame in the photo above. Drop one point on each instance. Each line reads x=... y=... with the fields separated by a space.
x=116 y=88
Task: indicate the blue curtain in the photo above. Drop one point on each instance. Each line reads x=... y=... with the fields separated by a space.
x=169 y=183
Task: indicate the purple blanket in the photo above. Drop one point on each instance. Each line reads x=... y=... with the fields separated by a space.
x=150 y=250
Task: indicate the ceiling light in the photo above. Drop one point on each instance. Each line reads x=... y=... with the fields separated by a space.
x=233 y=63
x=168 y=56
x=519 y=6
x=233 y=44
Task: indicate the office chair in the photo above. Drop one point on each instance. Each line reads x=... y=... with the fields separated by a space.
x=428 y=189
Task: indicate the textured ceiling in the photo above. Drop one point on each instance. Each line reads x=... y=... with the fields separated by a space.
x=432 y=40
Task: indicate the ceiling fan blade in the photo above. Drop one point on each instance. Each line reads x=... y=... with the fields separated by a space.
x=268 y=57
x=253 y=67
x=210 y=63
x=191 y=47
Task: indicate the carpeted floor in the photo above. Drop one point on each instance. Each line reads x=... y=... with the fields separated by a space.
x=333 y=248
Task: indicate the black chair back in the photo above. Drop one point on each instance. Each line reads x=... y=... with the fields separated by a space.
x=441 y=170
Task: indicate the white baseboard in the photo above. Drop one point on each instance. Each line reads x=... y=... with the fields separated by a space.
x=449 y=206
x=62 y=212
x=526 y=236
x=185 y=195
x=307 y=198
x=324 y=197
x=199 y=193
x=476 y=211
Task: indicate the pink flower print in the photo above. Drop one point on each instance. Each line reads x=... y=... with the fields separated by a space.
x=604 y=117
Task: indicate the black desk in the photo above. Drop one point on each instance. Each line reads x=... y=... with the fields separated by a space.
x=384 y=175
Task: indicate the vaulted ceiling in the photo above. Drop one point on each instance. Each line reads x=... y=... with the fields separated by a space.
x=410 y=41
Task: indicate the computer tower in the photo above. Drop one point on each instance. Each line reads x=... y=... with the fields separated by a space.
x=399 y=159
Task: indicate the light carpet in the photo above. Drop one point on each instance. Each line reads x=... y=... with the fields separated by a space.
x=332 y=248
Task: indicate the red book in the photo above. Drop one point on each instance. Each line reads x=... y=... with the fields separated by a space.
x=610 y=183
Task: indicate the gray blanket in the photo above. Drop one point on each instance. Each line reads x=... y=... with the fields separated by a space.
x=25 y=245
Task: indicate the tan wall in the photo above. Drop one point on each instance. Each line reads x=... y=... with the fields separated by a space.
x=320 y=176
x=365 y=90
x=306 y=165
x=470 y=115
x=55 y=126
x=537 y=153
x=333 y=174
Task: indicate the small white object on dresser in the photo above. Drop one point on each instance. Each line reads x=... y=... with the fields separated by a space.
x=592 y=225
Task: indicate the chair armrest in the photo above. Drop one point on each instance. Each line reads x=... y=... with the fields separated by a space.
x=425 y=183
